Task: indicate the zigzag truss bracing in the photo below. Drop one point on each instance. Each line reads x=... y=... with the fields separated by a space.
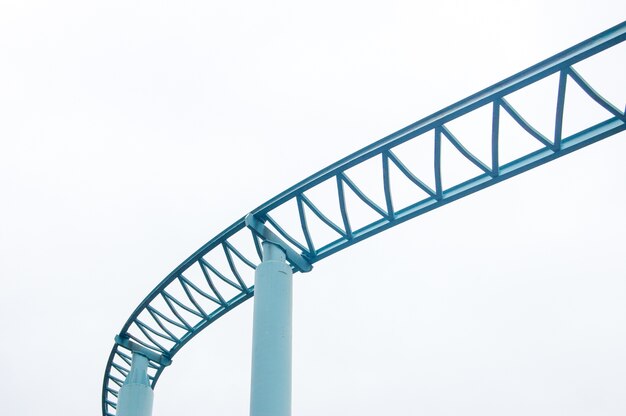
x=399 y=177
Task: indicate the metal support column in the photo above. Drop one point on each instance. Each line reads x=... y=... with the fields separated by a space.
x=271 y=337
x=136 y=395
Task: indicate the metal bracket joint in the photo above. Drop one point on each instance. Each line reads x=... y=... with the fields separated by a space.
x=297 y=260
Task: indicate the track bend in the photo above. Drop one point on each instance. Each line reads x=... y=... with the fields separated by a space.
x=219 y=276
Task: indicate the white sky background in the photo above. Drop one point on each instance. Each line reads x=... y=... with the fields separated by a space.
x=133 y=132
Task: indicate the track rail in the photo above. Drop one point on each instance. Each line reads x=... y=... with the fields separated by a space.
x=219 y=276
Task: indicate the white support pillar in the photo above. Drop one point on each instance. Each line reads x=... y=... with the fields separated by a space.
x=271 y=337
x=136 y=395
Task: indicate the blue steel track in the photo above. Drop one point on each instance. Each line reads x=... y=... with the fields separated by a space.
x=218 y=277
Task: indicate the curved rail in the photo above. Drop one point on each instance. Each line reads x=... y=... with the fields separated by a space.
x=218 y=277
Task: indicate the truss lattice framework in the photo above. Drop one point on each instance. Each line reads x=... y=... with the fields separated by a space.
x=218 y=277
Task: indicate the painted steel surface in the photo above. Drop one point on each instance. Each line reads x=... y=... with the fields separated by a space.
x=270 y=386
x=136 y=395
x=218 y=277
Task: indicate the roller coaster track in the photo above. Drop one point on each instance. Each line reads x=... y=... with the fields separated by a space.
x=219 y=276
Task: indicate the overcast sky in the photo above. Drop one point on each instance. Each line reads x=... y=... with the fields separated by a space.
x=131 y=132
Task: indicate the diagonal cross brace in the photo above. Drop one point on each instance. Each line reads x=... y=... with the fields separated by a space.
x=266 y=234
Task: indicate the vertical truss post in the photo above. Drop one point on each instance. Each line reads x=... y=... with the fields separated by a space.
x=136 y=395
x=271 y=335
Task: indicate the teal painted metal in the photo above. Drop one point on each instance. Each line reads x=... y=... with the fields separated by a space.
x=136 y=395
x=218 y=277
x=266 y=234
x=270 y=393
